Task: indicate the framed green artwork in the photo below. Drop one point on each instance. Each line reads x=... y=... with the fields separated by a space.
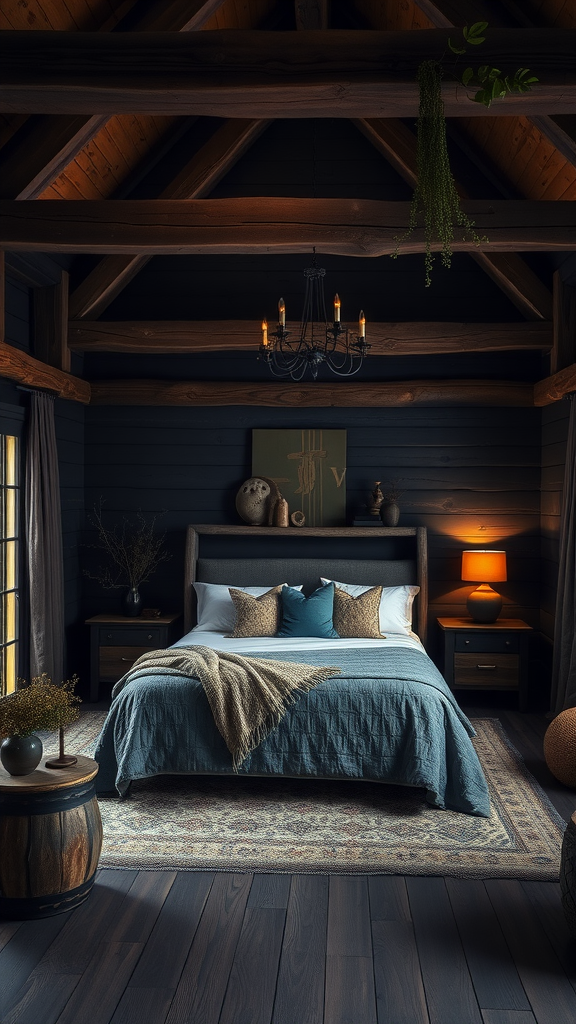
x=309 y=467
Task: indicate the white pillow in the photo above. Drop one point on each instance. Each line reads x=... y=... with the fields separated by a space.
x=395 y=605
x=216 y=611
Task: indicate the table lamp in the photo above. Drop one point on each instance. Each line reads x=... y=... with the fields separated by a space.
x=484 y=567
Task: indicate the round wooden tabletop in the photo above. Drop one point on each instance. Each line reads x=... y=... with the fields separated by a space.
x=42 y=780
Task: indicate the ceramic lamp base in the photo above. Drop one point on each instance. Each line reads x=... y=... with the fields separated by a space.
x=484 y=604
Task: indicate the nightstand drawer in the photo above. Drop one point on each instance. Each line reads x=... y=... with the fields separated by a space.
x=487 y=670
x=115 y=661
x=498 y=644
x=151 y=635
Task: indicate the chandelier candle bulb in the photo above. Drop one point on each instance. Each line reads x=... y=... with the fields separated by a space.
x=282 y=313
x=336 y=308
x=265 y=332
x=362 y=324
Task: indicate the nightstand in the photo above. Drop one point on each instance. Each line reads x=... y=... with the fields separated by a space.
x=116 y=641
x=487 y=656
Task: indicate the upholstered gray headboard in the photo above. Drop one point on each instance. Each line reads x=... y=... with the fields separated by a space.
x=390 y=572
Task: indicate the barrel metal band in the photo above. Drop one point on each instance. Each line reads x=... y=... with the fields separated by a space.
x=50 y=802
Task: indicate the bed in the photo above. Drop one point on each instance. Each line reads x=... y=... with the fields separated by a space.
x=388 y=716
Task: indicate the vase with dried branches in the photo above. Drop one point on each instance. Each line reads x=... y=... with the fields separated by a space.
x=134 y=553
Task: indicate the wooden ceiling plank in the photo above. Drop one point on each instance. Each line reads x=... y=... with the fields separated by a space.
x=195 y=180
x=51 y=324
x=25 y=369
x=510 y=272
x=397 y=339
x=556 y=387
x=28 y=168
x=360 y=227
x=361 y=394
x=348 y=73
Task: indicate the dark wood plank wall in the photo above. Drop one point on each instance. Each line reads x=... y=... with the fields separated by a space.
x=554 y=433
x=471 y=476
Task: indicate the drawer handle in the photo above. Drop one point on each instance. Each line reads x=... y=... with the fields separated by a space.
x=109 y=637
x=132 y=660
x=487 y=668
x=150 y=636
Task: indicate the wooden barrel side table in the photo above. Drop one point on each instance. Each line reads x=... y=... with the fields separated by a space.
x=50 y=840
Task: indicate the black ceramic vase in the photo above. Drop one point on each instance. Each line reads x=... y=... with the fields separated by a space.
x=132 y=603
x=389 y=513
x=21 y=755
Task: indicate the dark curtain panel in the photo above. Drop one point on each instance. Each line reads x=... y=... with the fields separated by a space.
x=44 y=542
x=564 y=663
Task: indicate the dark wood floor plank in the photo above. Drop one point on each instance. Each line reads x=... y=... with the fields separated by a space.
x=301 y=977
x=399 y=988
x=388 y=898
x=249 y=997
x=349 y=996
x=528 y=741
x=164 y=956
x=100 y=988
x=270 y=891
x=140 y=1005
x=22 y=953
x=142 y=905
x=7 y=930
x=551 y=995
x=494 y=974
x=545 y=898
x=200 y=993
x=449 y=991
x=41 y=1003
x=508 y=1017
x=349 y=917
x=85 y=927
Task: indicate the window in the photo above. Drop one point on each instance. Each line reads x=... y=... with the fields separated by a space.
x=9 y=502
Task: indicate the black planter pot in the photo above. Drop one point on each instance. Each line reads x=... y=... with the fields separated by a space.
x=21 y=755
x=132 y=603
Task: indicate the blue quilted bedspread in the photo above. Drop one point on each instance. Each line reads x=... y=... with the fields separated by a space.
x=389 y=717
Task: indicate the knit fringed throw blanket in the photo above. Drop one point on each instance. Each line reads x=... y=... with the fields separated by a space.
x=248 y=696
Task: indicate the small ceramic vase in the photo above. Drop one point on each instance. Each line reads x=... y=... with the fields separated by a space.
x=132 y=603
x=390 y=513
x=21 y=755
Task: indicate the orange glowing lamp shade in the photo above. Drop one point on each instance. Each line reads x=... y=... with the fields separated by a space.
x=484 y=566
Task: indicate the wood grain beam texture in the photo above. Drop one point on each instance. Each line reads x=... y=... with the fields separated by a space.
x=553 y=388
x=25 y=369
x=332 y=73
x=398 y=339
x=196 y=179
x=291 y=395
x=347 y=227
x=46 y=147
x=509 y=271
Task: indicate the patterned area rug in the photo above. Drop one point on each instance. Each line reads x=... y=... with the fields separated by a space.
x=289 y=825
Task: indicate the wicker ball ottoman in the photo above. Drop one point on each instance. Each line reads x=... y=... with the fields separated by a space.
x=560 y=747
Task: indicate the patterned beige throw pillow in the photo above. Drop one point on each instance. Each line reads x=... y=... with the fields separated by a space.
x=256 y=616
x=357 y=616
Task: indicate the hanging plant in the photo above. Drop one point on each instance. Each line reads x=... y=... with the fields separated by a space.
x=436 y=203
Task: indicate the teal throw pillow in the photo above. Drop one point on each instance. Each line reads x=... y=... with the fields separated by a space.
x=307 y=616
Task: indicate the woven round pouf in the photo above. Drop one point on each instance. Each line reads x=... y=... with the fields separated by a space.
x=560 y=747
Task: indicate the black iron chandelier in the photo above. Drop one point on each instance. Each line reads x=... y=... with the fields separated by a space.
x=318 y=341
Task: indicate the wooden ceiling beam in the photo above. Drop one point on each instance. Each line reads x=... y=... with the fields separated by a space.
x=45 y=148
x=347 y=227
x=553 y=388
x=196 y=179
x=510 y=272
x=361 y=394
x=333 y=73
x=25 y=369
x=391 y=339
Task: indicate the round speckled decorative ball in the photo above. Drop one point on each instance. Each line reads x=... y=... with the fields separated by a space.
x=560 y=747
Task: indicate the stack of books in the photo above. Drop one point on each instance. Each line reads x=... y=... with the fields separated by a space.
x=365 y=519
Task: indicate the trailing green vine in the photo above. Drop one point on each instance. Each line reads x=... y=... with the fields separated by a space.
x=436 y=203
